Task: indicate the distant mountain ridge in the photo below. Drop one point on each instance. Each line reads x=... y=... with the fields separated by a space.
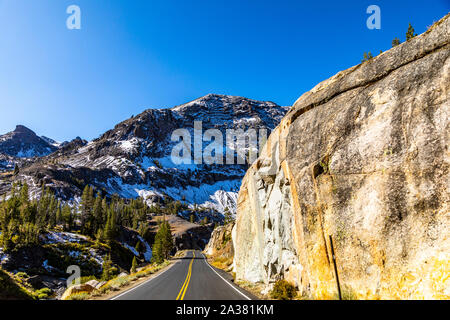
x=133 y=158
x=24 y=143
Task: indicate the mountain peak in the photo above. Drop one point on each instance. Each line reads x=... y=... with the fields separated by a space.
x=24 y=143
x=22 y=129
x=214 y=101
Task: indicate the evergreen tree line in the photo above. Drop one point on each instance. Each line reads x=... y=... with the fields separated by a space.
x=102 y=220
x=23 y=219
x=168 y=207
x=163 y=244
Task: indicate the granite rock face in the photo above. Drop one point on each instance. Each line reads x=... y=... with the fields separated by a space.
x=359 y=167
x=219 y=243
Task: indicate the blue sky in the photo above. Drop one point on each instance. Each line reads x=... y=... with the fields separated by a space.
x=134 y=55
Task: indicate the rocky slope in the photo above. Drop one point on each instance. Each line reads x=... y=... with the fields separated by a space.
x=356 y=178
x=219 y=249
x=189 y=235
x=134 y=158
x=220 y=241
x=45 y=265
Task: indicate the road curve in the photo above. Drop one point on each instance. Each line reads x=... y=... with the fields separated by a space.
x=190 y=278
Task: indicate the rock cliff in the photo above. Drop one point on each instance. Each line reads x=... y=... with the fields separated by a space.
x=219 y=243
x=350 y=193
x=220 y=249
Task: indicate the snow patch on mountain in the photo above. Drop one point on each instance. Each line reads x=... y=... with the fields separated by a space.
x=53 y=237
x=148 y=250
x=222 y=200
x=133 y=250
x=217 y=196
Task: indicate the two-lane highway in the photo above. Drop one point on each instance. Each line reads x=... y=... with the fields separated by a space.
x=190 y=278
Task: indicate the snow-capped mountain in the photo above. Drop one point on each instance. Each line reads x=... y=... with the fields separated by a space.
x=134 y=158
x=24 y=143
x=52 y=142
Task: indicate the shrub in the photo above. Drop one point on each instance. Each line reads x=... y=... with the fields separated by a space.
x=367 y=56
x=79 y=296
x=84 y=279
x=9 y=289
x=226 y=239
x=132 y=278
x=348 y=294
x=21 y=275
x=120 y=282
x=43 y=293
x=395 y=42
x=283 y=290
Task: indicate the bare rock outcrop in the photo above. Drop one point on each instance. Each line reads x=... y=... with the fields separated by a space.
x=220 y=242
x=359 y=167
x=79 y=288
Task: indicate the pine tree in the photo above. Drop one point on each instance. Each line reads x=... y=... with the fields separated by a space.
x=367 y=56
x=67 y=217
x=97 y=214
x=59 y=218
x=86 y=205
x=138 y=246
x=51 y=212
x=24 y=194
x=133 y=265
x=111 y=226
x=163 y=244
x=395 y=42
x=109 y=271
x=167 y=240
x=410 y=33
x=16 y=169
x=228 y=216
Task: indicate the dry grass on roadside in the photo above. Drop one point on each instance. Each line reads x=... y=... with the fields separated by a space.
x=222 y=262
x=255 y=288
x=120 y=282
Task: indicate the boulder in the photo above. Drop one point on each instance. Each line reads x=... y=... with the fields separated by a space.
x=77 y=289
x=100 y=284
x=93 y=283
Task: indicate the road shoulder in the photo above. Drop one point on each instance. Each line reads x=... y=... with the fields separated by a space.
x=229 y=278
x=136 y=283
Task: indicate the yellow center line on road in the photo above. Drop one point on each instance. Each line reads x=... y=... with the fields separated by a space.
x=186 y=282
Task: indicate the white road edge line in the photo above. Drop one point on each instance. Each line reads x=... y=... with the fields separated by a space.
x=224 y=278
x=129 y=290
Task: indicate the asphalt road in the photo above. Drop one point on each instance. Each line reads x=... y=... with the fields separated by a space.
x=190 y=278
